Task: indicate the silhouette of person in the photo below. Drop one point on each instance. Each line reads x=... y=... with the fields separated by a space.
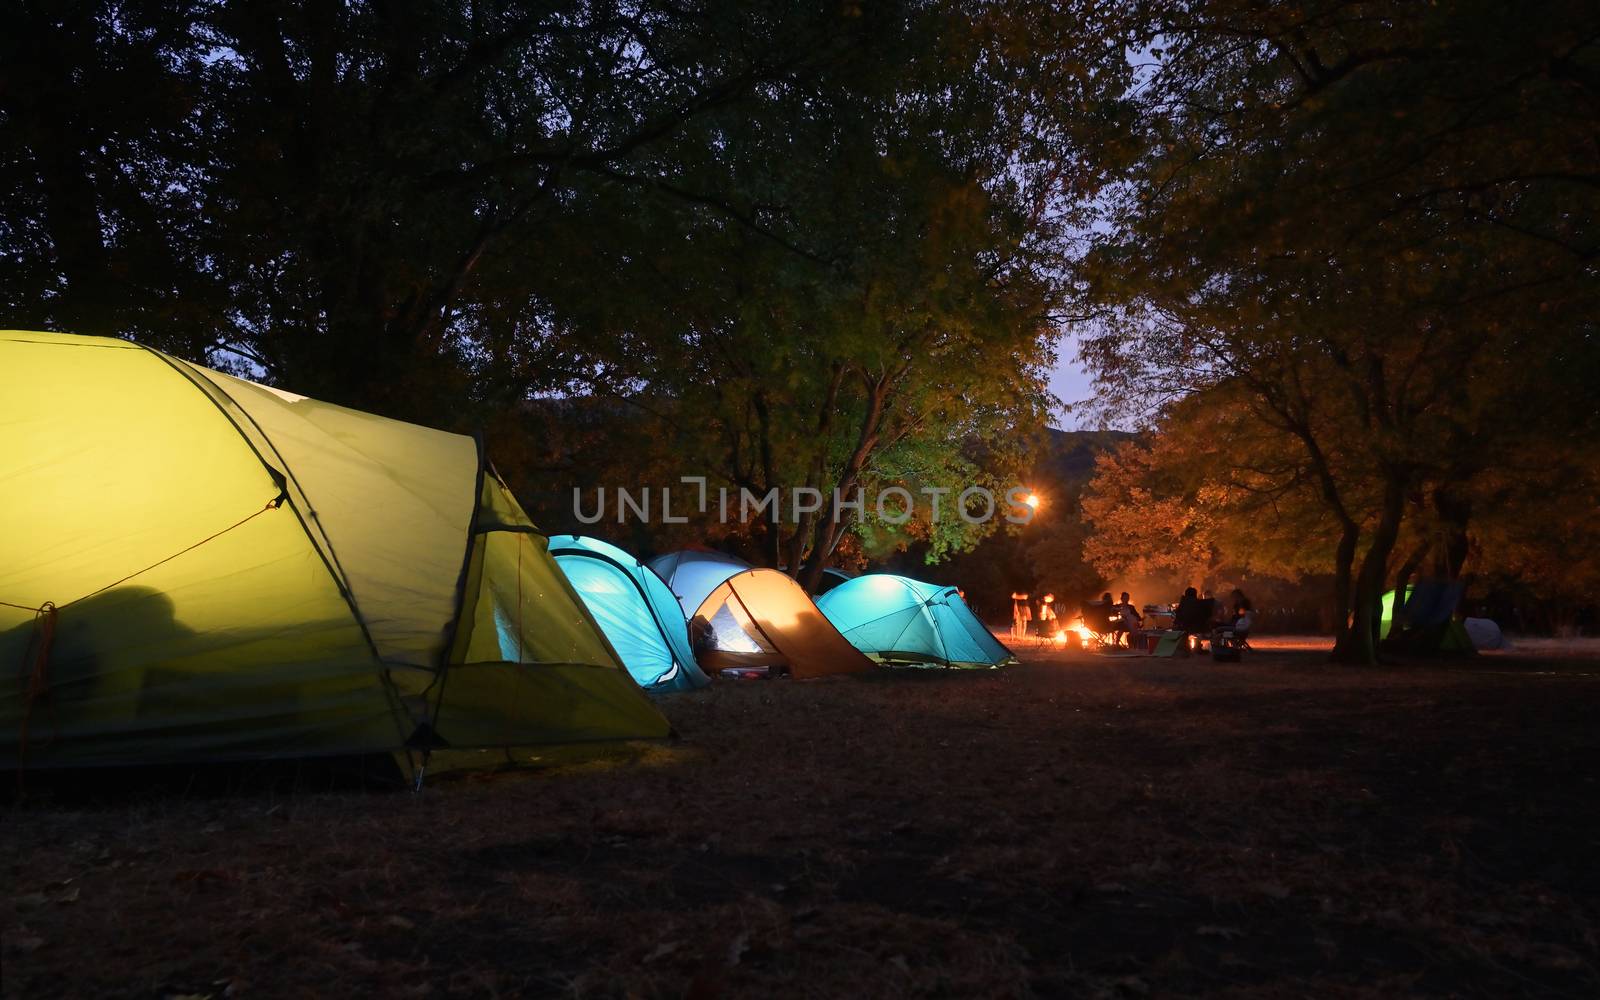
x=93 y=675
x=1126 y=617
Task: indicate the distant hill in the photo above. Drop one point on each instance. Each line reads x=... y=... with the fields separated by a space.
x=1069 y=455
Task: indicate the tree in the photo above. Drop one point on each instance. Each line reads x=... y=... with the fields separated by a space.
x=1206 y=500
x=101 y=171
x=880 y=306
x=818 y=244
x=321 y=192
x=387 y=161
x=1360 y=219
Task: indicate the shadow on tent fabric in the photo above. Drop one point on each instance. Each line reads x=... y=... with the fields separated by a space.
x=127 y=679
x=101 y=671
x=82 y=666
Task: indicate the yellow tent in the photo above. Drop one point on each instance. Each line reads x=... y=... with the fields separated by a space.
x=194 y=566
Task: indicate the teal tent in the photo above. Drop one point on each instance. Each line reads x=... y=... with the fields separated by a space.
x=634 y=609
x=899 y=620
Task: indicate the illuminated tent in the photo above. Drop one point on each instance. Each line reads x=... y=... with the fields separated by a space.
x=757 y=618
x=1430 y=625
x=692 y=574
x=196 y=567
x=1386 y=612
x=899 y=620
x=637 y=612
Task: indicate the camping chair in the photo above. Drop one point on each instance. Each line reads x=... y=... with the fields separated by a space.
x=1228 y=644
x=1100 y=622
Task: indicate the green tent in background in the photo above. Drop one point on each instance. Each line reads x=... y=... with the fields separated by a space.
x=196 y=567
x=1386 y=614
x=1430 y=625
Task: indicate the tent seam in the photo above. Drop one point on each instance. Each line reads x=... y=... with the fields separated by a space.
x=330 y=558
x=733 y=592
x=461 y=592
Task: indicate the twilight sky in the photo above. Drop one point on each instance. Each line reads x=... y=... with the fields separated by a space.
x=1069 y=382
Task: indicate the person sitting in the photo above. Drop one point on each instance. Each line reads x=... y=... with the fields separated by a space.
x=1192 y=617
x=1099 y=618
x=1244 y=613
x=1243 y=622
x=1237 y=632
x=1126 y=619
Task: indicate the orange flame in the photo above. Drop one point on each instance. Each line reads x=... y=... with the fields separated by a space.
x=1075 y=635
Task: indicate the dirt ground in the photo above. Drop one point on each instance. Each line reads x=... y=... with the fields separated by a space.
x=1079 y=825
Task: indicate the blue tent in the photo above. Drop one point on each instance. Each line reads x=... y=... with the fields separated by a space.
x=692 y=574
x=899 y=620
x=635 y=610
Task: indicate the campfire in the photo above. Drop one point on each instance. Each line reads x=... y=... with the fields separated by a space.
x=1073 y=635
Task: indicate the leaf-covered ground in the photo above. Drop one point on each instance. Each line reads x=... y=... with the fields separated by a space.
x=1079 y=825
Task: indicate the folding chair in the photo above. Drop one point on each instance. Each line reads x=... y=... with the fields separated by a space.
x=1102 y=627
x=1227 y=645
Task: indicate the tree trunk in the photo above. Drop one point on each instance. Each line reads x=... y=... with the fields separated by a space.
x=1344 y=561
x=1362 y=643
x=772 y=544
x=828 y=530
x=796 y=548
x=1455 y=512
x=1402 y=582
x=825 y=539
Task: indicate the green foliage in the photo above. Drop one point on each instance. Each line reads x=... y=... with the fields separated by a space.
x=859 y=288
x=807 y=244
x=101 y=172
